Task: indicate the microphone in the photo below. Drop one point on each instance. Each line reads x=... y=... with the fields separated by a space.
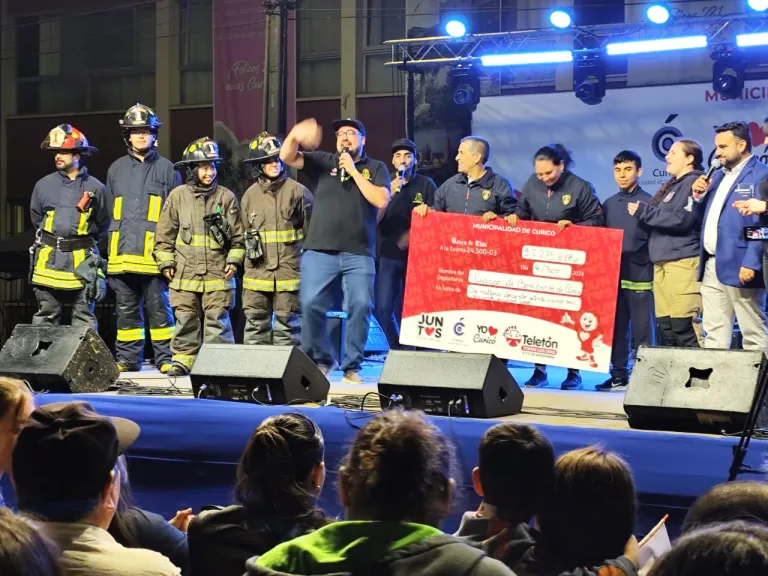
x=401 y=171
x=343 y=172
x=712 y=167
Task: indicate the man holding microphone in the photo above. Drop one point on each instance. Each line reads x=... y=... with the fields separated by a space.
x=349 y=190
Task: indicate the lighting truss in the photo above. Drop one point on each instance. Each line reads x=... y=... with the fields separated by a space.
x=419 y=53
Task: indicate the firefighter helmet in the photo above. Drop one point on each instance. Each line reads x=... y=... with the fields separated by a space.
x=140 y=116
x=201 y=150
x=264 y=148
x=67 y=138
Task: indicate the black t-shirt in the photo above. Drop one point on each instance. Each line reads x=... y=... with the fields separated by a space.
x=397 y=217
x=342 y=219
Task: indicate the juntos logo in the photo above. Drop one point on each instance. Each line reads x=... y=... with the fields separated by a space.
x=430 y=326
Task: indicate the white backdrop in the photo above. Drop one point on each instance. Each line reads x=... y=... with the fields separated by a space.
x=642 y=119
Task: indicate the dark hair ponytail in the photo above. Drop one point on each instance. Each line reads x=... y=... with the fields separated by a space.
x=691 y=148
x=555 y=153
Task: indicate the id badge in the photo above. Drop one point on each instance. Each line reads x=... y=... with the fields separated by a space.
x=745 y=190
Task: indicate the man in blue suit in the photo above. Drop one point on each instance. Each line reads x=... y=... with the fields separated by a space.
x=730 y=269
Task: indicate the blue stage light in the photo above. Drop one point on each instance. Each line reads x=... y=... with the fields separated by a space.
x=522 y=58
x=455 y=28
x=758 y=5
x=560 y=19
x=658 y=45
x=657 y=14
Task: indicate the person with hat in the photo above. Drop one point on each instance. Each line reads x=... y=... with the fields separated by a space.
x=349 y=189
x=409 y=190
x=69 y=210
x=65 y=473
x=275 y=213
x=198 y=248
x=138 y=184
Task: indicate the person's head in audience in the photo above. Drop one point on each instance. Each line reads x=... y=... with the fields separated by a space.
x=64 y=463
x=743 y=500
x=731 y=549
x=24 y=550
x=400 y=468
x=515 y=471
x=122 y=525
x=590 y=515
x=282 y=470
x=16 y=404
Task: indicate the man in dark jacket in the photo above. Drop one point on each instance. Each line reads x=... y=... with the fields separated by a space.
x=634 y=322
x=476 y=190
x=138 y=184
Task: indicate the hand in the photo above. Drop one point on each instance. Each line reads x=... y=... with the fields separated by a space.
x=229 y=271
x=632 y=208
x=421 y=210
x=512 y=219
x=751 y=207
x=169 y=272
x=700 y=186
x=746 y=275
x=563 y=224
x=404 y=240
x=632 y=551
x=346 y=162
x=488 y=216
x=396 y=185
x=182 y=519
x=308 y=134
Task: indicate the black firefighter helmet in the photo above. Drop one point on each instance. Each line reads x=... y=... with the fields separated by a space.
x=139 y=116
x=263 y=149
x=201 y=150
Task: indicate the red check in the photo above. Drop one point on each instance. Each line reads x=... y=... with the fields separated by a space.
x=529 y=293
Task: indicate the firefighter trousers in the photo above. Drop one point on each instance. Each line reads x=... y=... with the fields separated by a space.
x=50 y=306
x=134 y=292
x=258 y=308
x=215 y=328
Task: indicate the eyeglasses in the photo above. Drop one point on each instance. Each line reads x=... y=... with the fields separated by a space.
x=350 y=133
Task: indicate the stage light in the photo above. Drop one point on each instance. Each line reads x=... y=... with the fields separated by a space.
x=728 y=74
x=747 y=40
x=560 y=19
x=455 y=28
x=657 y=13
x=758 y=5
x=521 y=58
x=466 y=88
x=589 y=76
x=660 y=45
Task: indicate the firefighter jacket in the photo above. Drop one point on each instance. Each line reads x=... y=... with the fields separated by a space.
x=137 y=190
x=54 y=214
x=183 y=240
x=279 y=211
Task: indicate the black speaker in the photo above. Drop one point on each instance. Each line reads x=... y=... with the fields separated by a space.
x=59 y=359
x=692 y=389
x=448 y=384
x=259 y=374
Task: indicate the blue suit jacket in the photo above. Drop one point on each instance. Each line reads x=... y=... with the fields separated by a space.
x=733 y=252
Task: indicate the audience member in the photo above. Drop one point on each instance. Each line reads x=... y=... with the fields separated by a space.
x=732 y=549
x=136 y=528
x=279 y=480
x=743 y=500
x=395 y=484
x=16 y=404
x=64 y=471
x=24 y=550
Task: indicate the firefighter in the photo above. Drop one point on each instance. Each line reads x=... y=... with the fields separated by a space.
x=70 y=212
x=198 y=248
x=275 y=213
x=138 y=184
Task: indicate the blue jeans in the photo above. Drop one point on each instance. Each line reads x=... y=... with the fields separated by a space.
x=390 y=284
x=319 y=270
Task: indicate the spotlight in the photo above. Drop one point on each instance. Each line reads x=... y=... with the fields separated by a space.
x=589 y=76
x=657 y=13
x=455 y=28
x=728 y=75
x=466 y=88
x=758 y=5
x=560 y=19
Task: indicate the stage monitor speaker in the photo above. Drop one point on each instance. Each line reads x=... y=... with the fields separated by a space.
x=59 y=359
x=448 y=384
x=259 y=374
x=692 y=389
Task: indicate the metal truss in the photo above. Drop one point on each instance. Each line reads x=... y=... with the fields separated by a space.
x=419 y=53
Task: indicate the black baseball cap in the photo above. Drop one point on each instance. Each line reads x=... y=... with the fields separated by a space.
x=404 y=144
x=352 y=122
x=65 y=453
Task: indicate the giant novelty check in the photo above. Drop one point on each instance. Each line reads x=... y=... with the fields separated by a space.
x=529 y=293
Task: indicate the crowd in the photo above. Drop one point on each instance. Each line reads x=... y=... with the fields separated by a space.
x=540 y=515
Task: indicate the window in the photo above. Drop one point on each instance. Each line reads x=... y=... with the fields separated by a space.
x=196 y=52
x=318 y=44
x=385 y=20
x=27 y=47
x=591 y=13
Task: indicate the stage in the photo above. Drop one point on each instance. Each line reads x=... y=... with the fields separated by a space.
x=188 y=448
